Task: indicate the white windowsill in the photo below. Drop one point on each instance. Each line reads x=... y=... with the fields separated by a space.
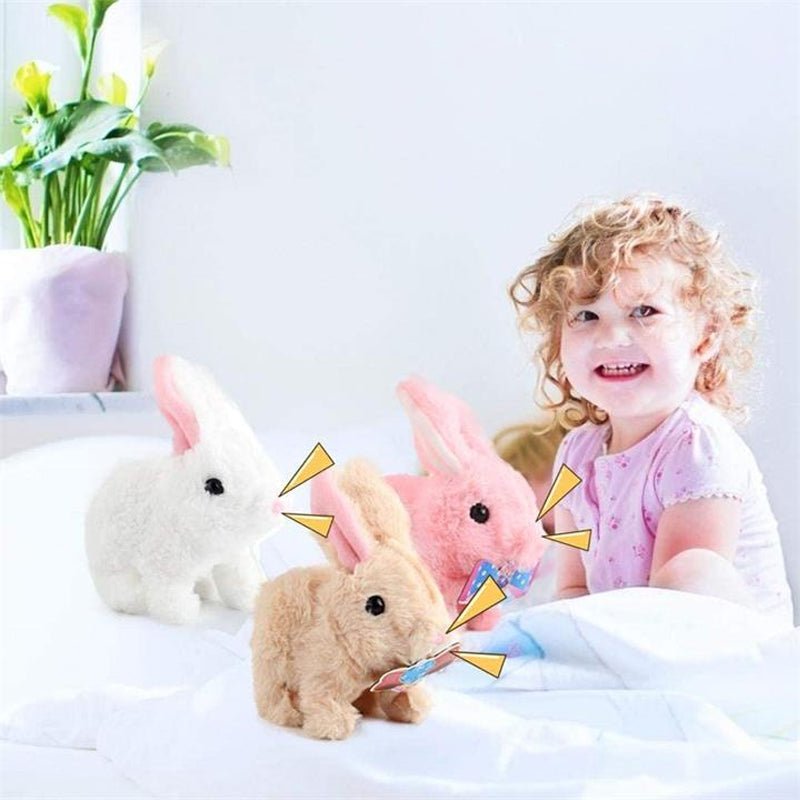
x=77 y=403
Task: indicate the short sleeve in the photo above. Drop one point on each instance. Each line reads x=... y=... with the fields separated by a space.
x=703 y=463
x=564 y=455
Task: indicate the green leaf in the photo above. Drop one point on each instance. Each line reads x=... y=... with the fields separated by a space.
x=74 y=17
x=11 y=191
x=32 y=81
x=185 y=146
x=71 y=128
x=16 y=156
x=126 y=147
x=112 y=89
x=98 y=10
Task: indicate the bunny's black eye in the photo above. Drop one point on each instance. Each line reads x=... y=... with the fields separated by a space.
x=479 y=513
x=375 y=605
x=214 y=486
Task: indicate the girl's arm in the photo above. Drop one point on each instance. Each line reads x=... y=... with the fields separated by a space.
x=710 y=524
x=694 y=548
x=570 y=575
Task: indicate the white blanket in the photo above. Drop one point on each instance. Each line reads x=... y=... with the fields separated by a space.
x=633 y=693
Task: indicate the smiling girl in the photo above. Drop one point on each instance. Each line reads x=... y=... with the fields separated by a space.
x=645 y=321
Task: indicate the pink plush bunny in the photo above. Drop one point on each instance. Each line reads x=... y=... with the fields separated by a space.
x=471 y=506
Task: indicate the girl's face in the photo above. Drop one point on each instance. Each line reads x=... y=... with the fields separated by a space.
x=633 y=351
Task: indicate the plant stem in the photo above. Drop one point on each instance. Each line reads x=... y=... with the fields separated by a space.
x=58 y=215
x=86 y=208
x=46 y=213
x=115 y=208
x=108 y=205
x=102 y=168
x=30 y=224
x=141 y=95
x=70 y=198
x=88 y=66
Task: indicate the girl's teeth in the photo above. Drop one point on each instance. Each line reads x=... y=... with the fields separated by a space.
x=627 y=369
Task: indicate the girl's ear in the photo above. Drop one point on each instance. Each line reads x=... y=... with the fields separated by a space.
x=710 y=344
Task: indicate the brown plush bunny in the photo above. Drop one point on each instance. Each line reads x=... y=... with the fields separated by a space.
x=323 y=635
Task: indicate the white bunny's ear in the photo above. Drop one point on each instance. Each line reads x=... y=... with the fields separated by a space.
x=195 y=406
x=174 y=407
x=350 y=542
x=446 y=434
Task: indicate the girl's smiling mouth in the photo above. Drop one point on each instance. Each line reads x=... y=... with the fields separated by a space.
x=621 y=371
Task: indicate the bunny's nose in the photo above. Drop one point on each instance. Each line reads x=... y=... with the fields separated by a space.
x=278 y=507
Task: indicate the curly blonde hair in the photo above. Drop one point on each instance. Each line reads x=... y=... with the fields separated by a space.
x=594 y=249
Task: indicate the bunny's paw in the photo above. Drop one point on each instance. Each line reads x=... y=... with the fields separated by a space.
x=276 y=707
x=207 y=589
x=411 y=705
x=332 y=722
x=239 y=583
x=177 y=606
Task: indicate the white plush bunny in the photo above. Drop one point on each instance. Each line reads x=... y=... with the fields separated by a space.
x=163 y=533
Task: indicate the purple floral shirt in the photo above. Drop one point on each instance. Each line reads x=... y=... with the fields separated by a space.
x=694 y=453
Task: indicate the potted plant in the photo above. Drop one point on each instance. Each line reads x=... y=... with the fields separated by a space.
x=61 y=294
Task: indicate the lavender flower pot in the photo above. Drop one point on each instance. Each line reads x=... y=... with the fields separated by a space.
x=60 y=315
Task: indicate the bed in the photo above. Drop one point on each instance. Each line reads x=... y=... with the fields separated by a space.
x=628 y=694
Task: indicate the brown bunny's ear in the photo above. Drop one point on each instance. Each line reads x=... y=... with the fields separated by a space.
x=349 y=543
x=381 y=510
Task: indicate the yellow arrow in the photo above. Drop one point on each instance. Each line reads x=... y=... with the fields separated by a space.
x=565 y=482
x=578 y=539
x=491 y=663
x=319 y=523
x=317 y=461
x=489 y=594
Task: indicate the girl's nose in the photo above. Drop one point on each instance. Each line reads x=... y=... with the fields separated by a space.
x=611 y=334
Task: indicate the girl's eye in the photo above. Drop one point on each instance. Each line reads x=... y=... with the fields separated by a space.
x=640 y=312
x=583 y=316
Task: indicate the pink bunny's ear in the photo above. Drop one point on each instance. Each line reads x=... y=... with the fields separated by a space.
x=446 y=434
x=351 y=544
x=177 y=412
x=473 y=435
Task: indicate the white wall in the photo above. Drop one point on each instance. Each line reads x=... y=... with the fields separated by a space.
x=396 y=164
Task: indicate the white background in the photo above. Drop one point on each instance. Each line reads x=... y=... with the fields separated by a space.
x=395 y=165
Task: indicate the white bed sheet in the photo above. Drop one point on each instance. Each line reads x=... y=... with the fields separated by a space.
x=27 y=771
